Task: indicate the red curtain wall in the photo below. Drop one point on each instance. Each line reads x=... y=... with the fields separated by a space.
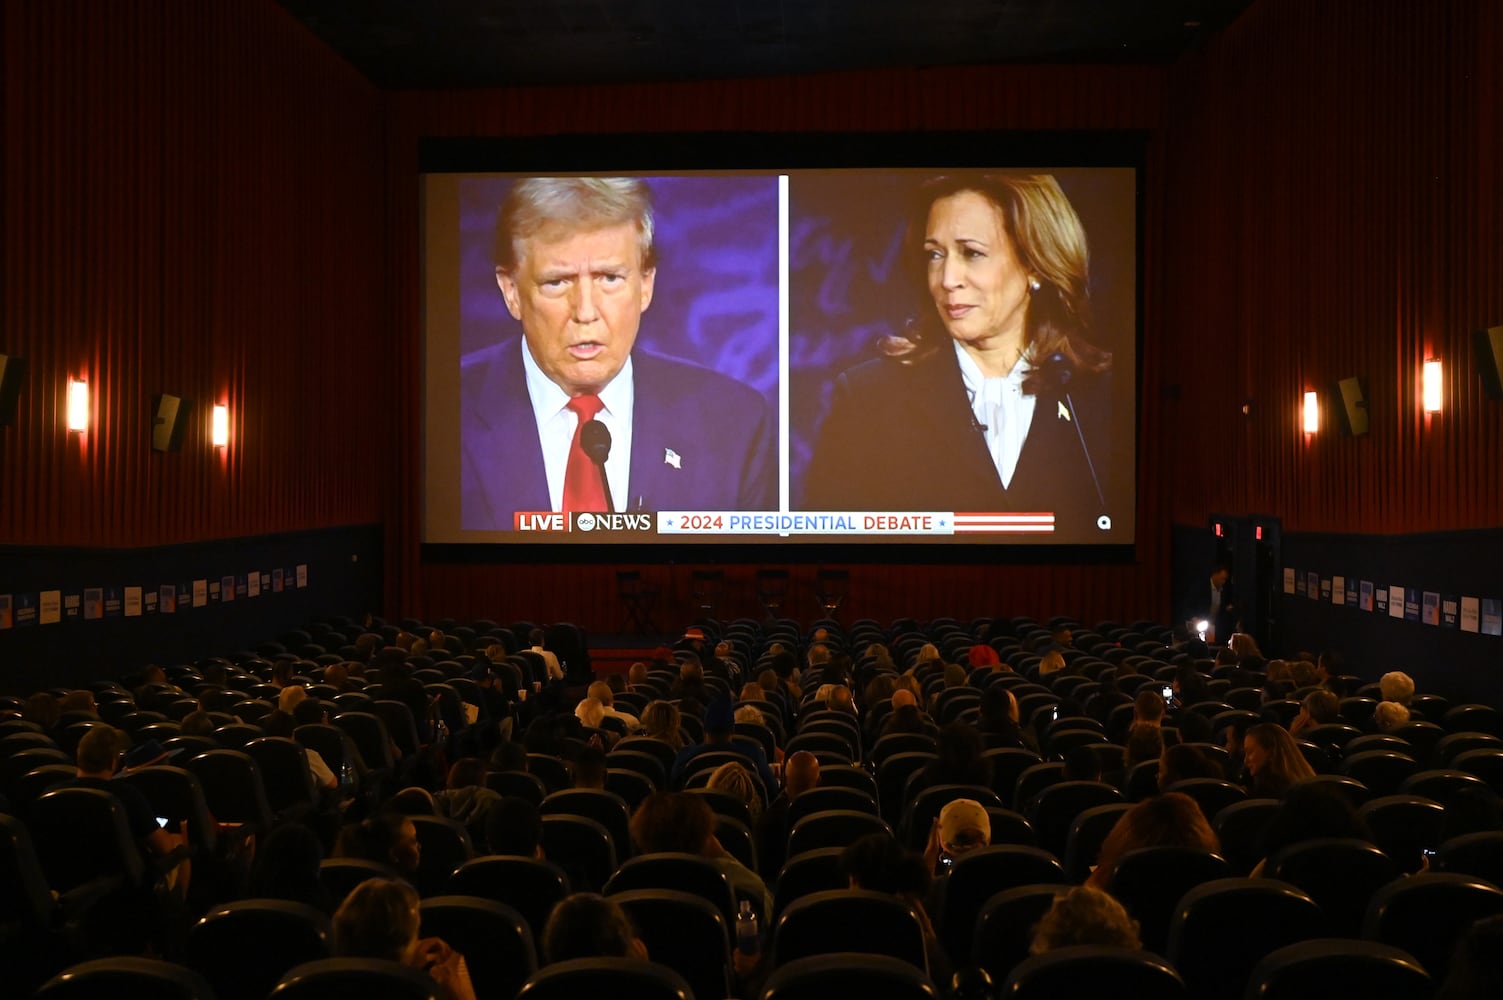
x=193 y=204
x=979 y=99
x=1334 y=177
x=201 y=199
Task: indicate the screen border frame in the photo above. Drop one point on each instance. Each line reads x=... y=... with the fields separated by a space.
x=675 y=152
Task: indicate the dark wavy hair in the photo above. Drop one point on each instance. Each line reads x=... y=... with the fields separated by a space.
x=1049 y=242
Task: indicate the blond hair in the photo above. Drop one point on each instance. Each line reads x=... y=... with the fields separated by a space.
x=575 y=204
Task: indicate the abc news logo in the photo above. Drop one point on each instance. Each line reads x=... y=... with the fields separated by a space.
x=555 y=521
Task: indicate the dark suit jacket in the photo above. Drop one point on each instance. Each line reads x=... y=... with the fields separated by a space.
x=1197 y=604
x=720 y=428
x=903 y=437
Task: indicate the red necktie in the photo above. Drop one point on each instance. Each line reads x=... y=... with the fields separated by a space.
x=584 y=489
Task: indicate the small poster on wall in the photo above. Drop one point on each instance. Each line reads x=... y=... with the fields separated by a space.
x=7 y=616
x=1492 y=616
x=114 y=604
x=200 y=593
x=1411 y=604
x=1450 y=611
x=1430 y=608
x=132 y=602
x=1380 y=600
x=226 y=589
x=1395 y=602
x=167 y=599
x=1301 y=583
x=1288 y=580
x=253 y=584
x=276 y=580
x=1325 y=588
x=1365 y=595
x=302 y=575
x=1338 y=590
x=1469 y=614
x=93 y=603
x=1351 y=591
x=149 y=600
x=25 y=610
x=50 y=607
x=72 y=606
x=1312 y=586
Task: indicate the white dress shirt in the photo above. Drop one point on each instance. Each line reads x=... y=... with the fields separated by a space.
x=557 y=423
x=1000 y=405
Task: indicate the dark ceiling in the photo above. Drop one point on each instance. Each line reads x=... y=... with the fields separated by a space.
x=427 y=44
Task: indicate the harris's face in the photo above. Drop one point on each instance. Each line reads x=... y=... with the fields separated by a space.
x=579 y=296
x=980 y=289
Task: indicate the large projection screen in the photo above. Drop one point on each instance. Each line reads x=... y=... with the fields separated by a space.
x=823 y=348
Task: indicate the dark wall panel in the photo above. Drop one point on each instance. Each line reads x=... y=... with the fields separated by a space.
x=343 y=578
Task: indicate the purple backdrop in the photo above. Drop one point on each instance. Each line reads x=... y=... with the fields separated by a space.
x=849 y=284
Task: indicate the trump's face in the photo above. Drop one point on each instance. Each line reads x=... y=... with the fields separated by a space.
x=579 y=296
x=979 y=287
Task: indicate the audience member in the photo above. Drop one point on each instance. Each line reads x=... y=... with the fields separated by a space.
x=1181 y=762
x=1273 y=760
x=960 y=761
x=800 y=773
x=661 y=721
x=878 y=863
x=286 y=867
x=1085 y=915
x=1310 y=810
x=1145 y=741
x=961 y=827
x=388 y=838
x=465 y=799
x=380 y=919
x=1389 y=715
x=997 y=723
x=586 y=925
x=514 y=828
x=681 y=822
x=734 y=778
x=1171 y=819
x=601 y=692
x=720 y=725
x=1396 y=686
x=197 y=724
x=1319 y=708
x=97 y=757
x=588 y=768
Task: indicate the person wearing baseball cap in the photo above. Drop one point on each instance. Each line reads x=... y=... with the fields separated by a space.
x=961 y=827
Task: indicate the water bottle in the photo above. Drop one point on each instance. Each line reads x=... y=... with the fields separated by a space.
x=746 y=930
x=346 y=775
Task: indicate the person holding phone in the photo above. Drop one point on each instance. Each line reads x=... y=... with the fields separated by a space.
x=961 y=827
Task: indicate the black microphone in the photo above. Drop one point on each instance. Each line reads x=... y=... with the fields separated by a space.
x=1063 y=372
x=595 y=440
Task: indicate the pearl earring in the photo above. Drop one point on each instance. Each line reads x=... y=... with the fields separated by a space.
x=1033 y=284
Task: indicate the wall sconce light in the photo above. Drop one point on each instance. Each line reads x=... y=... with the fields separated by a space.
x=1431 y=383
x=78 y=406
x=220 y=429
x=1312 y=412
